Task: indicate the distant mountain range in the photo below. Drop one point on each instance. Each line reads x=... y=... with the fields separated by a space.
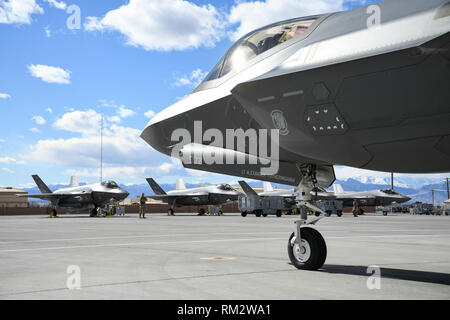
x=419 y=192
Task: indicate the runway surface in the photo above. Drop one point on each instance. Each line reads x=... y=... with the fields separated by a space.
x=229 y=257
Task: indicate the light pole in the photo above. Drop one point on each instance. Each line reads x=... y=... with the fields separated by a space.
x=448 y=191
x=392 y=181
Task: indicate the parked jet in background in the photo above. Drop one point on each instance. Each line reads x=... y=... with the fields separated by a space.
x=93 y=196
x=383 y=197
x=201 y=196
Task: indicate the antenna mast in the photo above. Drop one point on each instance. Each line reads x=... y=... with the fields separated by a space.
x=101 y=152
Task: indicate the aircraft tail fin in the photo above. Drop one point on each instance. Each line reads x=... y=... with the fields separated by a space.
x=155 y=187
x=247 y=189
x=267 y=186
x=180 y=184
x=73 y=181
x=41 y=185
x=337 y=188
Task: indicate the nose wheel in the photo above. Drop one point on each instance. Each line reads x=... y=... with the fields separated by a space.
x=310 y=252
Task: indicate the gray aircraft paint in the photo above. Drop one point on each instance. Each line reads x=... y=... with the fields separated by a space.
x=368 y=198
x=380 y=96
x=81 y=197
x=210 y=195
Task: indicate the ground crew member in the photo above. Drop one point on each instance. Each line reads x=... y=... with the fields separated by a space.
x=142 y=201
x=355 y=208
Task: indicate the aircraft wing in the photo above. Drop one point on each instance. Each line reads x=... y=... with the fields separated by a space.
x=54 y=196
x=203 y=196
x=357 y=197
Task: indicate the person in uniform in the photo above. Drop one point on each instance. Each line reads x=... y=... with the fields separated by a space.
x=142 y=201
x=355 y=208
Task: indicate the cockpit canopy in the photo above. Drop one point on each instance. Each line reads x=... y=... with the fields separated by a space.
x=257 y=42
x=110 y=184
x=225 y=187
x=389 y=191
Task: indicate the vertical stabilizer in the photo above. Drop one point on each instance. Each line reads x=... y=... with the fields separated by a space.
x=247 y=189
x=155 y=187
x=267 y=186
x=338 y=188
x=41 y=185
x=180 y=184
x=74 y=181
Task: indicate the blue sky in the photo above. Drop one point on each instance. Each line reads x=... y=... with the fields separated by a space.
x=127 y=61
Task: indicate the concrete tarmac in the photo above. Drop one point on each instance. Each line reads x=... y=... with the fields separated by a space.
x=213 y=257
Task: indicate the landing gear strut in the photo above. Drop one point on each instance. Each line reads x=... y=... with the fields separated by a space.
x=306 y=247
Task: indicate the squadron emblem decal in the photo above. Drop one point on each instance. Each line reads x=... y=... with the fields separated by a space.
x=279 y=121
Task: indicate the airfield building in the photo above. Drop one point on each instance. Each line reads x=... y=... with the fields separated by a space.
x=9 y=198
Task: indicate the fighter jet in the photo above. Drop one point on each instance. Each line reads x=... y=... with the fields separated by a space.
x=365 y=88
x=201 y=196
x=95 y=196
x=383 y=197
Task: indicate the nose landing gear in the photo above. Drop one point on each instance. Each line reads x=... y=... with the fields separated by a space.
x=306 y=247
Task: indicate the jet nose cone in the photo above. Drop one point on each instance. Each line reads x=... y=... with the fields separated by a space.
x=157 y=135
x=125 y=194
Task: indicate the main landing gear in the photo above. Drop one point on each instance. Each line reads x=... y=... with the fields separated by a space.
x=54 y=213
x=306 y=247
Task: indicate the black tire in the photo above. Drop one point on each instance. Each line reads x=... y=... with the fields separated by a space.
x=258 y=213
x=318 y=250
x=339 y=213
x=243 y=214
x=317 y=214
x=170 y=212
x=385 y=213
x=201 y=211
x=279 y=213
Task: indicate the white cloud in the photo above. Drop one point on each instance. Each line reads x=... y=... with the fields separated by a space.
x=122 y=146
x=35 y=130
x=57 y=4
x=149 y=114
x=8 y=170
x=2 y=140
x=4 y=96
x=48 y=32
x=39 y=120
x=50 y=74
x=124 y=112
x=49 y=110
x=10 y=160
x=192 y=80
x=166 y=167
x=255 y=14
x=115 y=119
x=18 y=11
x=162 y=25
x=84 y=122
